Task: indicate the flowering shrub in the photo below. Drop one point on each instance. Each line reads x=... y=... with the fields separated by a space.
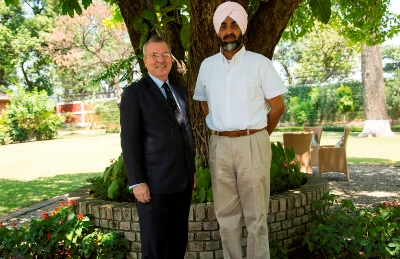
x=339 y=229
x=63 y=233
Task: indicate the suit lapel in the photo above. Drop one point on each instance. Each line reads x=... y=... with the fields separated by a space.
x=159 y=97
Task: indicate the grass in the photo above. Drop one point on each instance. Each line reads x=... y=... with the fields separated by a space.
x=35 y=171
x=372 y=151
x=16 y=193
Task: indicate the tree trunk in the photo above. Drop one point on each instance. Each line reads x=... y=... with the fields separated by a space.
x=129 y=9
x=27 y=81
x=376 y=117
x=2 y=73
x=263 y=33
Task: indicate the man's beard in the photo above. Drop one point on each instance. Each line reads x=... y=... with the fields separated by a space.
x=228 y=46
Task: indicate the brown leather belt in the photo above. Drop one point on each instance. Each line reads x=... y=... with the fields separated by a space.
x=236 y=133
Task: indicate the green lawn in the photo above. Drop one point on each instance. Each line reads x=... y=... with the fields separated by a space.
x=374 y=151
x=38 y=170
x=16 y=193
x=34 y=171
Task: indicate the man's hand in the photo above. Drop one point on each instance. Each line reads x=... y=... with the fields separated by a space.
x=142 y=193
x=195 y=181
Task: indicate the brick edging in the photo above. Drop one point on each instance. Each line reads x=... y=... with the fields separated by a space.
x=289 y=218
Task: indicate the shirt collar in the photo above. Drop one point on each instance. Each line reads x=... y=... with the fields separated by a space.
x=158 y=82
x=235 y=59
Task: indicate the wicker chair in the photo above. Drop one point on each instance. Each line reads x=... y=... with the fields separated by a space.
x=333 y=159
x=315 y=148
x=301 y=143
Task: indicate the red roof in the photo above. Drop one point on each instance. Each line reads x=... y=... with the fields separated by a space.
x=4 y=97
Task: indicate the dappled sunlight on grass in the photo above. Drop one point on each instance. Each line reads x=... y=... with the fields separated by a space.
x=16 y=193
x=371 y=161
x=373 y=151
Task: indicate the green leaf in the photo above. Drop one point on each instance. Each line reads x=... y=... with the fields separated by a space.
x=201 y=196
x=12 y=2
x=148 y=15
x=167 y=19
x=137 y=22
x=209 y=195
x=86 y=3
x=160 y=3
x=185 y=35
x=321 y=9
x=143 y=39
x=144 y=29
x=112 y=190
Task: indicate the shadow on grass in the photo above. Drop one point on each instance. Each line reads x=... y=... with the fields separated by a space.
x=17 y=194
x=371 y=161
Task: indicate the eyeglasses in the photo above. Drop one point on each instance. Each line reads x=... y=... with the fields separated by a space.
x=155 y=56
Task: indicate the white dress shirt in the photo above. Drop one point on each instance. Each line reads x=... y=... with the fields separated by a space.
x=236 y=90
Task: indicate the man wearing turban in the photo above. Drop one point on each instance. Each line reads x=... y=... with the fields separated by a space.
x=235 y=87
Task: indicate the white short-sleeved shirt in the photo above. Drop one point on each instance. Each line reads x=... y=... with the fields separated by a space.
x=236 y=90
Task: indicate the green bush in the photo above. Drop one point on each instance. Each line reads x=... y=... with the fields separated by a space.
x=113 y=185
x=392 y=90
x=62 y=233
x=338 y=229
x=108 y=112
x=289 y=129
x=285 y=173
x=395 y=128
x=29 y=115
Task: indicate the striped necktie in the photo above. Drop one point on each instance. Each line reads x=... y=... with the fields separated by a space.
x=171 y=101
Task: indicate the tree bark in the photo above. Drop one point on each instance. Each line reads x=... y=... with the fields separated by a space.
x=27 y=81
x=263 y=34
x=129 y=9
x=376 y=117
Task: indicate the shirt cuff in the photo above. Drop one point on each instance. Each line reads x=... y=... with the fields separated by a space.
x=133 y=186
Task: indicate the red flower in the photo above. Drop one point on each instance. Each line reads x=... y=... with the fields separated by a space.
x=48 y=235
x=14 y=223
x=308 y=233
x=69 y=255
x=46 y=215
x=1 y=224
x=72 y=203
x=95 y=242
x=62 y=204
x=80 y=216
x=61 y=222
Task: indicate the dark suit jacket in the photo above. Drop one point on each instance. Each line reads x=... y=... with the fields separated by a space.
x=157 y=149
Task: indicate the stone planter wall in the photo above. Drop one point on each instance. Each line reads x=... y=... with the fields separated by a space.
x=288 y=219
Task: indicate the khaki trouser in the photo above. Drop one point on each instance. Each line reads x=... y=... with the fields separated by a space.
x=240 y=179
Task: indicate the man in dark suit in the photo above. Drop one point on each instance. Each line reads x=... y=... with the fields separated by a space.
x=157 y=146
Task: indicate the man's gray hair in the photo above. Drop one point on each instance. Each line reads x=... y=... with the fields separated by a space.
x=155 y=39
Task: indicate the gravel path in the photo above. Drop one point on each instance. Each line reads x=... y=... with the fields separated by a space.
x=368 y=185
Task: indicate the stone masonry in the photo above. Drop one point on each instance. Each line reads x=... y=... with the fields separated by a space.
x=289 y=218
